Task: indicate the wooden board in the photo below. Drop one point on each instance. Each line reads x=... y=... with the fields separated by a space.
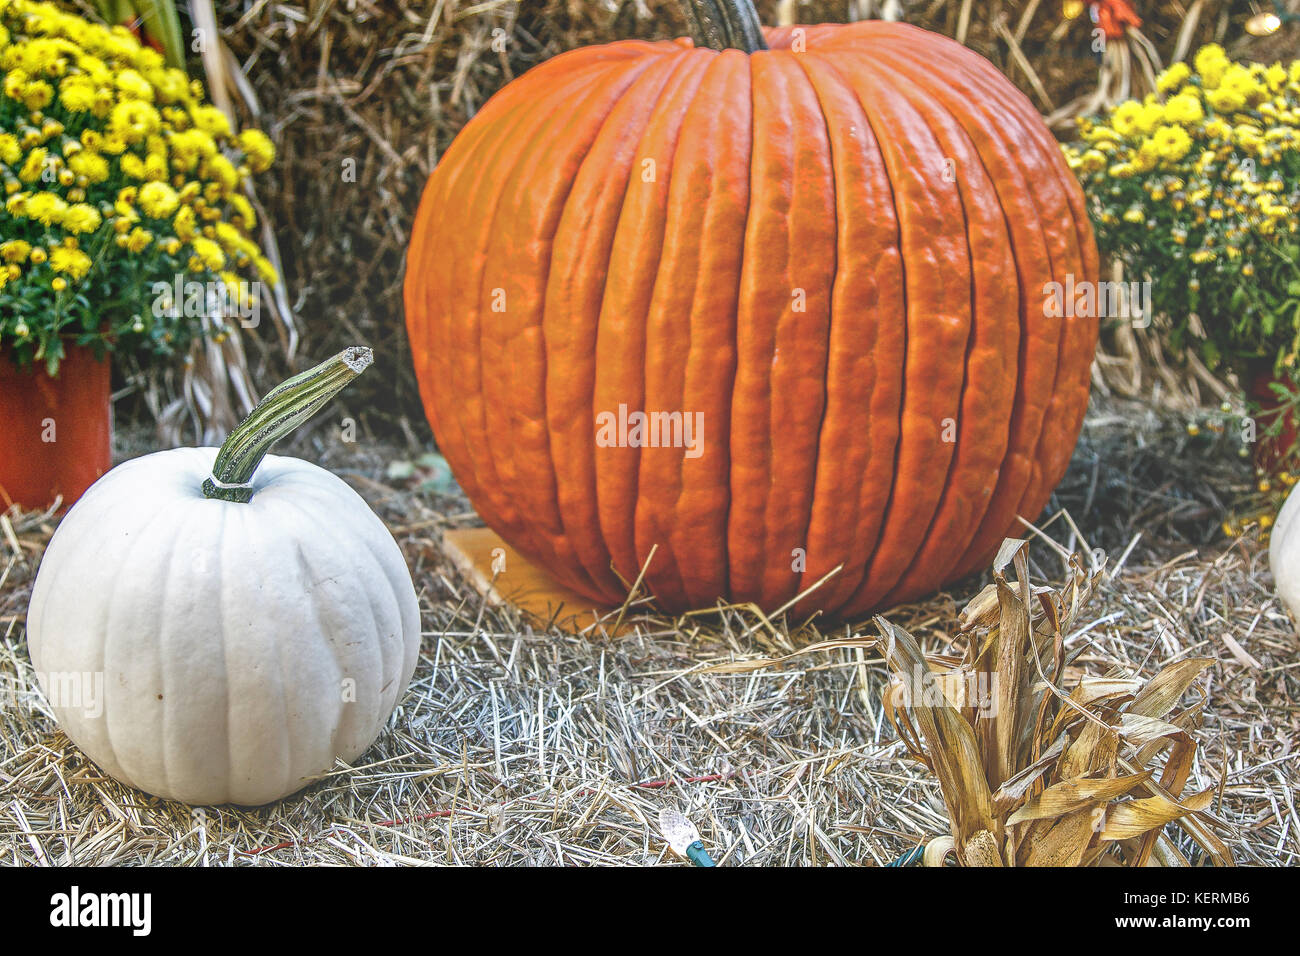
x=504 y=576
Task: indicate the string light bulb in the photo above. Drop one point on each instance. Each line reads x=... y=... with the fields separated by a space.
x=1263 y=24
x=683 y=837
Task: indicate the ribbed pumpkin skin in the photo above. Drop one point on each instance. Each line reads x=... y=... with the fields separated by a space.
x=837 y=256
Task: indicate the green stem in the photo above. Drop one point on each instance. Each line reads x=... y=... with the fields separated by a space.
x=725 y=24
x=282 y=410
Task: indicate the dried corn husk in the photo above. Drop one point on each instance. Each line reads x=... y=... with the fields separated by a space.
x=1033 y=773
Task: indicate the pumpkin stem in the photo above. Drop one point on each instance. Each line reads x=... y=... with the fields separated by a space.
x=282 y=410
x=725 y=24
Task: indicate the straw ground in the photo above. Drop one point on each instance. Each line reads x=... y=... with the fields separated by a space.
x=518 y=744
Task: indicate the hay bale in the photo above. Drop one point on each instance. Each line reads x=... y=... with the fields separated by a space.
x=361 y=99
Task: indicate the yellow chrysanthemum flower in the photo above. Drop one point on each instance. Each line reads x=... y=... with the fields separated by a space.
x=229 y=237
x=1251 y=138
x=1127 y=117
x=259 y=149
x=132 y=165
x=211 y=120
x=222 y=172
x=1184 y=109
x=1146 y=157
x=265 y=270
x=1172 y=143
x=137 y=240
x=190 y=146
x=248 y=218
x=158 y=200
x=77 y=94
x=37 y=95
x=46 y=208
x=81 y=218
x=172 y=85
x=34 y=165
x=1217 y=129
x=185 y=223
x=1226 y=99
x=73 y=262
x=1211 y=63
x=1091 y=160
x=133 y=121
x=1173 y=78
x=134 y=86
x=89 y=164
x=15 y=250
x=113 y=144
x=10 y=151
x=208 y=253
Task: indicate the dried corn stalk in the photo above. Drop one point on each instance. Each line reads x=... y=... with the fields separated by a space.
x=1033 y=775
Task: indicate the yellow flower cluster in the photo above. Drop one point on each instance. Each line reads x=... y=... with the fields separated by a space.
x=114 y=171
x=1211 y=144
x=1196 y=188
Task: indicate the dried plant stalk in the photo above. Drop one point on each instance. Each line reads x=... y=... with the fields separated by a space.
x=1033 y=775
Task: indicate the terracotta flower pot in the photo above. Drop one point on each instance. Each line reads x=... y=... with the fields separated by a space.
x=55 y=433
x=1272 y=452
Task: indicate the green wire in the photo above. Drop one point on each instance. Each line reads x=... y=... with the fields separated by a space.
x=910 y=858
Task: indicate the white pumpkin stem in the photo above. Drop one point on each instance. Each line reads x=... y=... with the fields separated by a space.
x=725 y=24
x=282 y=410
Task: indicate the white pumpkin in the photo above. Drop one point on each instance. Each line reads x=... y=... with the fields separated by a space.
x=224 y=651
x=1284 y=553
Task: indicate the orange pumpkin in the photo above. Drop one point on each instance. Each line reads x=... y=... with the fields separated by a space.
x=829 y=257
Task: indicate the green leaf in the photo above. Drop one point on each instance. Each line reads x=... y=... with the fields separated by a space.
x=53 y=355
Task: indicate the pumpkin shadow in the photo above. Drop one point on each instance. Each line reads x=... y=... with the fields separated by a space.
x=1140 y=469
